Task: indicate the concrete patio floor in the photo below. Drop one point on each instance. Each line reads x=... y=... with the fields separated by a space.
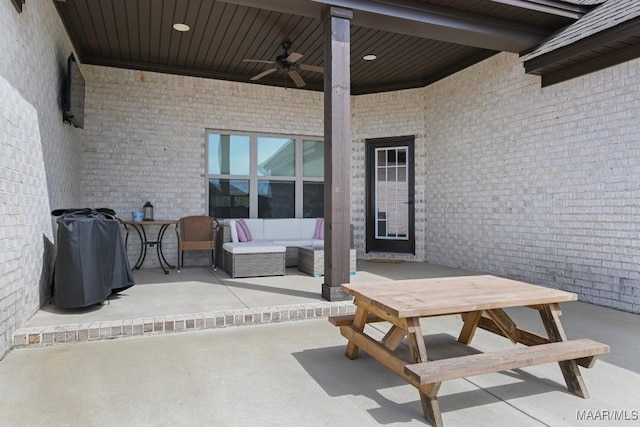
x=295 y=373
x=201 y=289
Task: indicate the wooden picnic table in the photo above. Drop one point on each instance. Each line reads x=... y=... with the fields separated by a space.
x=481 y=301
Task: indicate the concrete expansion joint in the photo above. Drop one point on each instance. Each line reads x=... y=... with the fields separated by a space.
x=83 y=332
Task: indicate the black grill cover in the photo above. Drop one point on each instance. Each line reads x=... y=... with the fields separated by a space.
x=91 y=261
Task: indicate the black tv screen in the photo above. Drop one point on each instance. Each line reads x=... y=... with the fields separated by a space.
x=73 y=100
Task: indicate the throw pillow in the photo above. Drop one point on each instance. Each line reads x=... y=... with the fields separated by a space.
x=241 y=236
x=234 y=231
x=243 y=231
x=319 y=233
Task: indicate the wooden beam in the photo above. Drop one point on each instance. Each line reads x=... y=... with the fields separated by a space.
x=528 y=338
x=383 y=355
x=387 y=358
x=394 y=337
x=420 y=19
x=337 y=150
x=428 y=392
x=443 y=23
x=523 y=336
x=504 y=323
x=347 y=319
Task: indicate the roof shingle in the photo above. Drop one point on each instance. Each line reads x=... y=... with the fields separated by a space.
x=607 y=15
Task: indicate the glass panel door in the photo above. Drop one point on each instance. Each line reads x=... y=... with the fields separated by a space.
x=392 y=193
x=390 y=190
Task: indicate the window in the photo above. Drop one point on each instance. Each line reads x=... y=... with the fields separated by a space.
x=313 y=181
x=264 y=176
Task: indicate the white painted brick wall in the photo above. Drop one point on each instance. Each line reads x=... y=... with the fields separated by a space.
x=25 y=225
x=530 y=183
x=34 y=48
x=387 y=115
x=39 y=156
x=537 y=184
x=145 y=138
x=520 y=181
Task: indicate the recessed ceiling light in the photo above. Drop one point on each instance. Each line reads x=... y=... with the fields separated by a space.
x=369 y=57
x=181 y=27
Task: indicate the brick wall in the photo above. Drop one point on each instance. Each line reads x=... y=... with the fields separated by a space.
x=539 y=184
x=37 y=156
x=511 y=179
x=530 y=183
x=35 y=47
x=145 y=137
x=25 y=228
x=379 y=116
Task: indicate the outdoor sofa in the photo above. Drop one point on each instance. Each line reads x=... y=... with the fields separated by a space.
x=273 y=246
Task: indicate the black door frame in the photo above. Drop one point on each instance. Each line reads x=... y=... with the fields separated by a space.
x=371 y=243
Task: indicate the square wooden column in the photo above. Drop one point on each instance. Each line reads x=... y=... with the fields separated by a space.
x=337 y=150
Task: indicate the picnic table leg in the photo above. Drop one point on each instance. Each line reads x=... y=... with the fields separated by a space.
x=428 y=392
x=359 y=320
x=471 y=322
x=430 y=404
x=550 y=315
x=416 y=340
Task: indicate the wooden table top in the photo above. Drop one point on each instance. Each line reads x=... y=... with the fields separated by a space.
x=452 y=295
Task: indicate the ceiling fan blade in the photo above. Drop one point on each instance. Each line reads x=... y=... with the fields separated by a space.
x=258 y=60
x=264 y=73
x=314 y=68
x=297 y=79
x=294 y=56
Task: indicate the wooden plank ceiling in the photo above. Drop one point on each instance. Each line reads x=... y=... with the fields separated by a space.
x=138 y=34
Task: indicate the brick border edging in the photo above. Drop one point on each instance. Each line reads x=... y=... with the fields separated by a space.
x=84 y=332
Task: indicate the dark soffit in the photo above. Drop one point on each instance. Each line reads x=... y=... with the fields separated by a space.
x=138 y=34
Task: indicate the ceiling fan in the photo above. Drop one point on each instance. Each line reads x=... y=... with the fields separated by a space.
x=289 y=63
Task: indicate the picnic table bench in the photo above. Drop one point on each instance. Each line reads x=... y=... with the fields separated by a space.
x=480 y=300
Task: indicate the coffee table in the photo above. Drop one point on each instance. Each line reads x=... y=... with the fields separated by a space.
x=311 y=260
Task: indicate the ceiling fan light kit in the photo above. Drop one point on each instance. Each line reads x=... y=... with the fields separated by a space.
x=287 y=62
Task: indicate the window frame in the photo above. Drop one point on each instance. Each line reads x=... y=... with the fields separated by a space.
x=298 y=179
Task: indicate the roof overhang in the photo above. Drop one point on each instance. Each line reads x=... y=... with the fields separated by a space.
x=608 y=36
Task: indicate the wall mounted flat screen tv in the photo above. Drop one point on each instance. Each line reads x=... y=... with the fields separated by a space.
x=73 y=97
